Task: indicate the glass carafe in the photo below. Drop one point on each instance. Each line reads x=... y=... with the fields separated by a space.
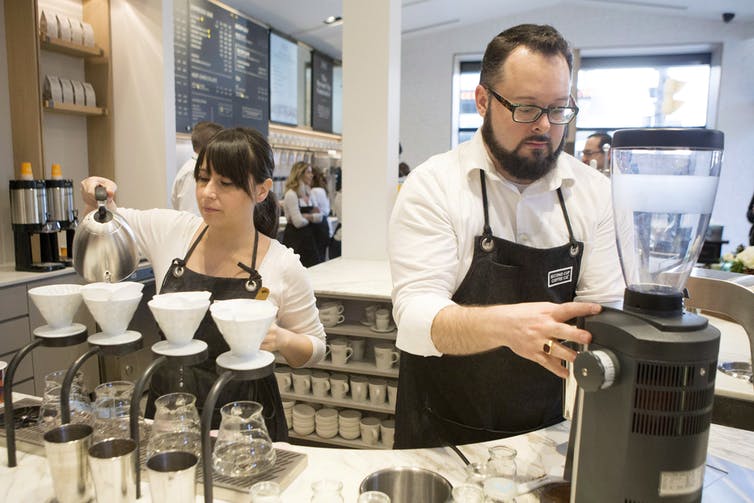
x=80 y=405
x=500 y=485
x=243 y=445
x=112 y=410
x=176 y=425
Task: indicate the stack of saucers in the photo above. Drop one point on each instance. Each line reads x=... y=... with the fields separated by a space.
x=303 y=419
x=348 y=424
x=326 y=421
x=288 y=409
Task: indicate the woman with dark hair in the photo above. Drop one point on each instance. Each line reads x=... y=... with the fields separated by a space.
x=230 y=252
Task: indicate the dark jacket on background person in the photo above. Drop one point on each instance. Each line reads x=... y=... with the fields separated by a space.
x=750 y=216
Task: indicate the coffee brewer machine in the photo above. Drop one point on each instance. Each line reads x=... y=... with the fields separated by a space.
x=646 y=381
x=34 y=233
x=60 y=208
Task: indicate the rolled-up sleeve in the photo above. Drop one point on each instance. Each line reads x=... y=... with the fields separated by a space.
x=423 y=251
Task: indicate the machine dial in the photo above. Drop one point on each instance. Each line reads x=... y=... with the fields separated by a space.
x=595 y=370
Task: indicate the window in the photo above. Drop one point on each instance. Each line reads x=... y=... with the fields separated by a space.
x=665 y=87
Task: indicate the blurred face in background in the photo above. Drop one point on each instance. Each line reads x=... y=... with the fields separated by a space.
x=593 y=151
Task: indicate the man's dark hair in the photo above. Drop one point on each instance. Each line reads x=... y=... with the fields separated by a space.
x=543 y=39
x=202 y=133
x=605 y=139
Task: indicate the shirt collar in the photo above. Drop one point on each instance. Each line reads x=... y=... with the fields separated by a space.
x=473 y=156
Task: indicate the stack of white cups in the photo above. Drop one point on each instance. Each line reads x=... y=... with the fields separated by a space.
x=326 y=420
x=349 y=424
x=288 y=410
x=303 y=419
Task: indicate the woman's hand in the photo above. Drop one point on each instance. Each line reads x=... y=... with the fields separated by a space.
x=295 y=348
x=277 y=339
x=88 y=186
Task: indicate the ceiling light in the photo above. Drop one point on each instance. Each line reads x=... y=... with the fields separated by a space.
x=333 y=20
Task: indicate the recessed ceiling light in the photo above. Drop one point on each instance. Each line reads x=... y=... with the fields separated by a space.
x=332 y=19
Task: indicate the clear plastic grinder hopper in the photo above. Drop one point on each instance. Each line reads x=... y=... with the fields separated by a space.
x=664 y=183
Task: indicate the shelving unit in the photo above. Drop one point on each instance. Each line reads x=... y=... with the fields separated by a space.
x=353 y=311
x=27 y=109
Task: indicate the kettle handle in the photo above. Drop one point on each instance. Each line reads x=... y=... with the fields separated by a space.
x=100 y=194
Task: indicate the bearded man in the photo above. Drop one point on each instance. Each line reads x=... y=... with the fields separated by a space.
x=490 y=244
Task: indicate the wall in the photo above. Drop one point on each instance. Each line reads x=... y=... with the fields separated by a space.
x=426 y=80
x=6 y=150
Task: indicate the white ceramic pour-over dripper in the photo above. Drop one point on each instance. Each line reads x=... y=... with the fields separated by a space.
x=179 y=314
x=112 y=306
x=244 y=324
x=58 y=305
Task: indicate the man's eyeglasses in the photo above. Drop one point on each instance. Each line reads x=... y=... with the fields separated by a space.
x=591 y=153
x=532 y=113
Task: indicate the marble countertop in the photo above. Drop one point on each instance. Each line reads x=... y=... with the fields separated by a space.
x=9 y=276
x=353 y=278
x=30 y=480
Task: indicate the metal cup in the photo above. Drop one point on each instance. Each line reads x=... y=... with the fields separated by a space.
x=112 y=465
x=172 y=476
x=66 y=449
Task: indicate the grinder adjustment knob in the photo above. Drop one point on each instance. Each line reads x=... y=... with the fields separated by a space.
x=595 y=370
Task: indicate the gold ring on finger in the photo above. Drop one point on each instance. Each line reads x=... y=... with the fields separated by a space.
x=547 y=347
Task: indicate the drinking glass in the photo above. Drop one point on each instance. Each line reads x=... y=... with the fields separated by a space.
x=501 y=483
x=112 y=410
x=176 y=425
x=266 y=491
x=243 y=445
x=80 y=405
x=327 y=491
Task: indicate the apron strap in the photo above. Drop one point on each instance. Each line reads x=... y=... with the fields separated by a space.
x=487 y=229
x=574 y=244
x=255 y=280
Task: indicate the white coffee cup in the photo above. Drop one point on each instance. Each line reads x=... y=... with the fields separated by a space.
x=330 y=320
x=377 y=391
x=370 y=430
x=369 y=313
x=320 y=383
x=339 y=385
x=331 y=308
x=358 y=344
x=385 y=356
x=283 y=377
x=340 y=352
x=359 y=388
x=302 y=381
x=382 y=319
x=392 y=393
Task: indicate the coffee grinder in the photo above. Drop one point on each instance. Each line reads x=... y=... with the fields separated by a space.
x=646 y=381
x=34 y=233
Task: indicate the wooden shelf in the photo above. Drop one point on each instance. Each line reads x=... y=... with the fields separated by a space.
x=338 y=440
x=343 y=403
x=359 y=330
x=70 y=108
x=69 y=48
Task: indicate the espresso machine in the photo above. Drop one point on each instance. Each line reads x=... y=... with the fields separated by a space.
x=646 y=381
x=35 y=235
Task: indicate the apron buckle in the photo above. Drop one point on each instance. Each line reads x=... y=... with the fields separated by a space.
x=488 y=244
x=250 y=285
x=574 y=249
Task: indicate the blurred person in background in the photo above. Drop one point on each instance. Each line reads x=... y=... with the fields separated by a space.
x=303 y=215
x=322 y=201
x=750 y=216
x=183 y=195
x=594 y=151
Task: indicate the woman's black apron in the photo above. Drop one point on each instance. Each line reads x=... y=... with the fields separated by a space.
x=495 y=394
x=198 y=379
x=303 y=240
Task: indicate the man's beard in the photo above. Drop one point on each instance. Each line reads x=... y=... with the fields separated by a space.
x=516 y=165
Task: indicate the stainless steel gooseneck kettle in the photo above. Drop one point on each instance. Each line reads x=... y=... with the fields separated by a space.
x=104 y=247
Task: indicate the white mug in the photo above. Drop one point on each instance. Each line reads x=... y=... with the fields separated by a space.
x=387 y=432
x=370 y=430
x=302 y=380
x=385 y=356
x=331 y=308
x=320 y=383
x=369 y=313
x=359 y=388
x=377 y=391
x=339 y=385
x=392 y=393
x=358 y=344
x=283 y=377
x=340 y=353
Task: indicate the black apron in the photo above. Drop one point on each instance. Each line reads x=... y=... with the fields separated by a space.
x=496 y=394
x=304 y=240
x=198 y=379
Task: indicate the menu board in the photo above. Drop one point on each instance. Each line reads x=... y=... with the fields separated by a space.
x=283 y=80
x=322 y=83
x=221 y=67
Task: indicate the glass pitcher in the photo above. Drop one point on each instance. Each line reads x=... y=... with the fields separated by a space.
x=243 y=445
x=176 y=425
x=112 y=410
x=80 y=405
x=502 y=472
